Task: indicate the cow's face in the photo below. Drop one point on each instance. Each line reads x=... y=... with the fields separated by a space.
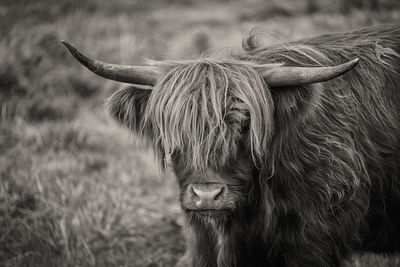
x=214 y=120
x=221 y=192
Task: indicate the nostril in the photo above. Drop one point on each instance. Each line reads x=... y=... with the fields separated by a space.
x=194 y=193
x=220 y=193
x=199 y=193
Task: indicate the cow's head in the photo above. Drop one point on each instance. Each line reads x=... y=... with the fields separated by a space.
x=213 y=118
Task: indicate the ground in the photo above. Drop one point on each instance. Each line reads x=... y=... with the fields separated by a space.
x=76 y=189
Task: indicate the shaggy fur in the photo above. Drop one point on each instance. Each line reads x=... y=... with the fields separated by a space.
x=312 y=171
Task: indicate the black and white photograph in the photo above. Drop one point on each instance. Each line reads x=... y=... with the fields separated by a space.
x=200 y=133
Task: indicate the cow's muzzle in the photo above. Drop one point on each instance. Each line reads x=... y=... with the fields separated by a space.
x=205 y=197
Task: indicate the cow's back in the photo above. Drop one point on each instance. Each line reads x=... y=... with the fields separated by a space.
x=355 y=119
x=373 y=87
x=372 y=90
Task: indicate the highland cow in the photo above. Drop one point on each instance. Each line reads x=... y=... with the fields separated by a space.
x=287 y=155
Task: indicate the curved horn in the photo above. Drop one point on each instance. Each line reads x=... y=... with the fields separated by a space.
x=292 y=76
x=144 y=75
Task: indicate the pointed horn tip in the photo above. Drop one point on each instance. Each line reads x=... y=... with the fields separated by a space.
x=70 y=48
x=349 y=65
x=65 y=43
x=354 y=62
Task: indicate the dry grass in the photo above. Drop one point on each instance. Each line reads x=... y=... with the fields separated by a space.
x=75 y=190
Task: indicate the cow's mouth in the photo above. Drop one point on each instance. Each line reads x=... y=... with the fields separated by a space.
x=208 y=212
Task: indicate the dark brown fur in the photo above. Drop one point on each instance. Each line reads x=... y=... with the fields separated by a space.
x=313 y=170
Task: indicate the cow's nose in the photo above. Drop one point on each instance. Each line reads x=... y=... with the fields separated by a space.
x=206 y=196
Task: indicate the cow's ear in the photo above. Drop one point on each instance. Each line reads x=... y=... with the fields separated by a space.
x=293 y=104
x=128 y=106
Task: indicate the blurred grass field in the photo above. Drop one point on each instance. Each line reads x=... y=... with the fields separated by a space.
x=75 y=187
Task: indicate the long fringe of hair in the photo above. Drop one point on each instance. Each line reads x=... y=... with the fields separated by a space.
x=201 y=108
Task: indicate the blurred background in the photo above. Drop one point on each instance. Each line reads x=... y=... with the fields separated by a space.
x=75 y=187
